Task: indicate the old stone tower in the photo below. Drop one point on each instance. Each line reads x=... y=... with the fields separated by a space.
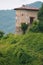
x=25 y=14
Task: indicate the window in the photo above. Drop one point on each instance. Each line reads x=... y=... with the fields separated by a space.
x=22 y=14
x=31 y=19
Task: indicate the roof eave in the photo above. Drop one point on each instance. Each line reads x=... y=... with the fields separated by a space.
x=26 y=9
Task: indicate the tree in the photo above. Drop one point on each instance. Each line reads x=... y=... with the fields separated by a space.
x=24 y=27
x=1 y=34
x=40 y=18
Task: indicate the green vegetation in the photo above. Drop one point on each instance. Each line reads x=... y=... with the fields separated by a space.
x=22 y=49
x=24 y=27
x=34 y=27
x=40 y=18
x=1 y=34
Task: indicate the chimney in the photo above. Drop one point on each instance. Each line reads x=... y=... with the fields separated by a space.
x=23 y=5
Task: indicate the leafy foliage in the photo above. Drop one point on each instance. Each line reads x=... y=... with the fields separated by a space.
x=34 y=27
x=40 y=18
x=27 y=50
x=24 y=27
x=1 y=34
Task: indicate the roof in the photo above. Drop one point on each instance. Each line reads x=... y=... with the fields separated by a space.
x=27 y=8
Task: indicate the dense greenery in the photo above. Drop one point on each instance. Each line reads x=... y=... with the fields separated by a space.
x=1 y=34
x=22 y=49
x=24 y=27
x=34 y=27
x=40 y=18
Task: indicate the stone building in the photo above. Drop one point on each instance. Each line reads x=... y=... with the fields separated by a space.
x=25 y=14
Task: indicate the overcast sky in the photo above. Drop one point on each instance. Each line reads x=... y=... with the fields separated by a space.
x=11 y=4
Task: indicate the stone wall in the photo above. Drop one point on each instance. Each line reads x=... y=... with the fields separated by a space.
x=24 y=16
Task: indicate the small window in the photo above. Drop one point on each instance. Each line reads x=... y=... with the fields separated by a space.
x=22 y=14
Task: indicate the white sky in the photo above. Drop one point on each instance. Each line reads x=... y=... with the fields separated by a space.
x=11 y=4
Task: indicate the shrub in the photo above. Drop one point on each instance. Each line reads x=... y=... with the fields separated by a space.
x=24 y=27
x=34 y=27
x=1 y=55
x=24 y=58
x=1 y=34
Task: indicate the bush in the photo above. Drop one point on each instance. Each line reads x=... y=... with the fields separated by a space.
x=1 y=34
x=34 y=27
x=24 y=27
x=24 y=58
x=1 y=55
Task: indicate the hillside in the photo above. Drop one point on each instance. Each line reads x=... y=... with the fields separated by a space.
x=36 y=4
x=22 y=49
x=7 y=20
